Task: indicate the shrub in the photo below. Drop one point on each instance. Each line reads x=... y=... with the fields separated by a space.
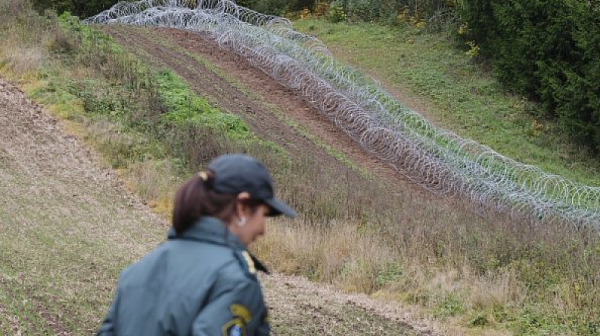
x=364 y=10
x=81 y=8
x=336 y=12
x=277 y=7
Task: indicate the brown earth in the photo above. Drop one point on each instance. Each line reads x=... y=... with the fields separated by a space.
x=181 y=50
x=53 y=193
x=300 y=307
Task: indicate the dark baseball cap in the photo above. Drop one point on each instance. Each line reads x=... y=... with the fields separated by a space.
x=236 y=173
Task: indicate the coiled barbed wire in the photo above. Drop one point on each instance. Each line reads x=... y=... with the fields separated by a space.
x=437 y=159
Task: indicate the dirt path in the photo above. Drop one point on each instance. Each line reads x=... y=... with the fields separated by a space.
x=300 y=307
x=185 y=53
x=52 y=187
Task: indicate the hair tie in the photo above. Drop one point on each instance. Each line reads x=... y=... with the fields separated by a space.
x=203 y=176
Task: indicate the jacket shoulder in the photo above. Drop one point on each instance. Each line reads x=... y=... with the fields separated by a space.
x=245 y=263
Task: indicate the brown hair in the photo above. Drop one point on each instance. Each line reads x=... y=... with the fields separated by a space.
x=196 y=198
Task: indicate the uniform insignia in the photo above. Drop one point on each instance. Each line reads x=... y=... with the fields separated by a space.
x=235 y=331
x=234 y=327
x=241 y=317
x=240 y=311
x=249 y=262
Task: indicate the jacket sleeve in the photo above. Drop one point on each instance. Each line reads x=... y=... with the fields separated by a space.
x=108 y=325
x=235 y=307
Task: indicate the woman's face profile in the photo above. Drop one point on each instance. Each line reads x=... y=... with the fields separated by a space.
x=255 y=224
x=248 y=224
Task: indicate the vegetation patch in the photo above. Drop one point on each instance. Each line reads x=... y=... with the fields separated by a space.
x=530 y=190
x=183 y=108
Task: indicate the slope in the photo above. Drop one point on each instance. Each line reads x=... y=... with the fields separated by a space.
x=68 y=227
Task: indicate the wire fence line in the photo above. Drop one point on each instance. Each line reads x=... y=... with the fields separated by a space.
x=437 y=159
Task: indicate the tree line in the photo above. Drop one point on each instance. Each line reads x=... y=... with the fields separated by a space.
x=548 y=50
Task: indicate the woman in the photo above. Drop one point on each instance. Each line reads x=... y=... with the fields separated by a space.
x=202 y=281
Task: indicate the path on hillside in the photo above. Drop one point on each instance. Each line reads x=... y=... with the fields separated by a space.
x=39 y=161
x=191 y=55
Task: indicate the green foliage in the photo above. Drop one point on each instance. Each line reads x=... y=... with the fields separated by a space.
x=364 y=10
x=478 y=320
x=389 y=273
x=387 y=11
x=546 y=49
x=183 y=107
x=450 y=306
x=80 y=8
x=336 y=12
x=277 y=7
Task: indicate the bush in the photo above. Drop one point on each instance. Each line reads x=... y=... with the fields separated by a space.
x=364 y=10
x=387 y=11
x=336 y=12
x=81 y=8
x=546 y=49
x=277 y=7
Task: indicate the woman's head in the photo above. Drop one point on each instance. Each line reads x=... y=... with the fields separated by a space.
x=237 y=189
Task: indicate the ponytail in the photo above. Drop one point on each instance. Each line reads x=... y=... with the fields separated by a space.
x=196 y=198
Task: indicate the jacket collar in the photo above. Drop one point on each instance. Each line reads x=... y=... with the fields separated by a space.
x=210 y=230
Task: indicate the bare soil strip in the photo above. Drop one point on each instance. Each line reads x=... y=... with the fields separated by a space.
x=306 y=308
x=264 y=122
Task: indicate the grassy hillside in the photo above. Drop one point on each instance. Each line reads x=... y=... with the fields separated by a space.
x=481 y=275
x=430 y=74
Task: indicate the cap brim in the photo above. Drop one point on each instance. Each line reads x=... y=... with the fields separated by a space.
x=280 y=208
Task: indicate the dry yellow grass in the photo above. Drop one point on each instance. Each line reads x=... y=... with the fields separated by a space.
x=356 y=262
x=341 y=254
x=19 y=61
x=154 y=181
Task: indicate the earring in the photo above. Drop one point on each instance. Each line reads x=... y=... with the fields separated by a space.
x=241 y=221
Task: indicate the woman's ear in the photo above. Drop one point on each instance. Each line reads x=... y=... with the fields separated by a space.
x=240 y=206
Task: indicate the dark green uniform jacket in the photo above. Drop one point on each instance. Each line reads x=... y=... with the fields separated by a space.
x=200 y=283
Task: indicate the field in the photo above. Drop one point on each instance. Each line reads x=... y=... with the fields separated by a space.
x=161 y=102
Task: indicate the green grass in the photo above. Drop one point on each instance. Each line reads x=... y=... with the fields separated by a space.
x=359 y=78
x=111 y=97
x=184 y=107
x=455 y=92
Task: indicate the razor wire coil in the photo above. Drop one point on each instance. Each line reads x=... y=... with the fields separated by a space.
x=437 y=159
